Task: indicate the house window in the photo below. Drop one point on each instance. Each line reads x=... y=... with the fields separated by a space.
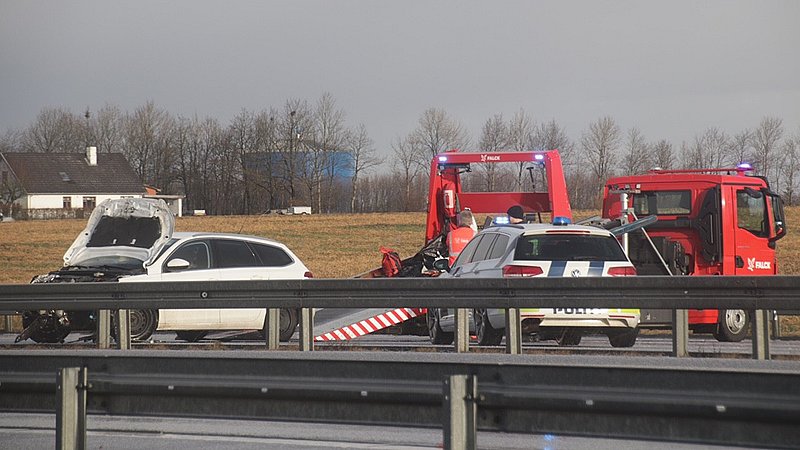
x=89 y=202
x=67 y=202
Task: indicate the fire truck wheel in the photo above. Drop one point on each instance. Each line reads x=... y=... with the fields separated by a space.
x=487 y=335
x=190 y=336
x=732 y=325
x=435 y=332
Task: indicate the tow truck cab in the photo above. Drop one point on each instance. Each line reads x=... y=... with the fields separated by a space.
x=710 y=222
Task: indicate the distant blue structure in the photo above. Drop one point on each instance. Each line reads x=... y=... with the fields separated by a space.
x=338 y=164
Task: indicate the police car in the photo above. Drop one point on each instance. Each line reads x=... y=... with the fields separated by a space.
x=542 y=250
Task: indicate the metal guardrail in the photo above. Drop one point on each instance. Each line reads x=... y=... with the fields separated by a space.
x=757 y=294
x=735 y=402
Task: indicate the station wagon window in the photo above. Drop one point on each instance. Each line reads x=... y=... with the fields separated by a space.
x=196 y=253
x=499 y=247
x=271 y=256
x=483 y=247
x=568 y=247
x=233 y=254
x=752 y=212
x=468 y=251
x=662 y=202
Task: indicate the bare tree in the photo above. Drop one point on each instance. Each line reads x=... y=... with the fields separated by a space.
x=243 y=138
x=437 y=133
x=108 y=128
x=521 y=131
x=662 y=154
x=406 y=162
x=636 y=157
x=741 y=147
x=362 y=158
x=294 y=123
x=599 y=145
x=328 y=136
x=55 y=130
x=494 y=138
x=709 y=150
x=789 y=168
x=765 y=142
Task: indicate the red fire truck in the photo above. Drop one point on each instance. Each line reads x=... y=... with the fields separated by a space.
x=710 y=222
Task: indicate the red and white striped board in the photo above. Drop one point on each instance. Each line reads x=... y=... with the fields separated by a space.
x=372 y=324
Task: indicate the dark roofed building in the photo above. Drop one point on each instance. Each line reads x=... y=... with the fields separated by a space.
x=41 y=185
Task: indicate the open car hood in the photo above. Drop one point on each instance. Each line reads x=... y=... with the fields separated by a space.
x=130 y=227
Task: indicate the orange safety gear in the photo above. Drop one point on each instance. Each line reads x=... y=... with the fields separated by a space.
x=458 y=239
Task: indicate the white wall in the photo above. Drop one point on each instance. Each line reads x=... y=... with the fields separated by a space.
x=41 y=201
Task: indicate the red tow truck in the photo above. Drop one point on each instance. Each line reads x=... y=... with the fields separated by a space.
x=710 y=222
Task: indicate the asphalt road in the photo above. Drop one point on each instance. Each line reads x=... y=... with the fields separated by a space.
x=660 y=344
x=36 y=431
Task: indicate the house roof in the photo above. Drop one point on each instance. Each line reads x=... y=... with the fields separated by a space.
x=68 y=173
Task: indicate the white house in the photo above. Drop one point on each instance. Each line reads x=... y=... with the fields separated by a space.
x=54 y=185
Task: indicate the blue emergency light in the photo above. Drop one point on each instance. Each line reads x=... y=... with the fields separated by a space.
x=442 y=158
x=501 y=220
x=744 y=166
x=560 y=220
x=538 y=157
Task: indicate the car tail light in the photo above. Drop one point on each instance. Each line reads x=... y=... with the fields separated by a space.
x=621 y=271
x=522 y=271
x=308 y=274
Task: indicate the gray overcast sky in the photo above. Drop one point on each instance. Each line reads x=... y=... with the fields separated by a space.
x=672 y=68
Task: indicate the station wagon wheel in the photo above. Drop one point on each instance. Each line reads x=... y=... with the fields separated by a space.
x=623 y=338
x=569 y=338
x=435 y=332
x=487 y=335
x=732 y=325
x=289 y=319
x=143 y=323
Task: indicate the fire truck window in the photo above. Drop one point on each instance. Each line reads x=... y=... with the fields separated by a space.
x=663 y=202
x=752 y=213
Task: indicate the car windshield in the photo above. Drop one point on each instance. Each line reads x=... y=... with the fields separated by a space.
x=568 y=247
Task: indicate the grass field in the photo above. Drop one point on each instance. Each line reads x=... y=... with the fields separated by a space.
x=332 y=246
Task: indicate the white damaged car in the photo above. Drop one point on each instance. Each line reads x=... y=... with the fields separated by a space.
x=133 y=240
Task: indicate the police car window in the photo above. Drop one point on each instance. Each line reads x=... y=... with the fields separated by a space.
x=483 y=248
x=271 y=256
x=752 y=212
x=196 y=253
x=568 y=247
x=228 y=253
x=469 y=250
x=499 y=247
x=662 y=202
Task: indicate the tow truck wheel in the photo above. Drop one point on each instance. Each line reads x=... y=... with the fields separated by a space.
x=732 y=325
x=435 y=332
x=143 y=323
x=289 y=318
x=569 y=338
x=487 y=335
x=624 y=338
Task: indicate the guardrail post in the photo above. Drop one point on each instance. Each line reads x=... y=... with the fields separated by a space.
x=273 y=328
x=760 y=330
x=307 y=329
x=776 y=325
x=123 y=324
x=72 y=383
x=460 y=426
x=104 y=329
x=9 y=324
x=462 y=331
x=513 y=331
x=680 y=333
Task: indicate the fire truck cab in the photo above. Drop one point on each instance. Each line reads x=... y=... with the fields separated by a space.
x=710 y=222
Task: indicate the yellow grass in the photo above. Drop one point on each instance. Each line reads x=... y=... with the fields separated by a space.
x=332 y=246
